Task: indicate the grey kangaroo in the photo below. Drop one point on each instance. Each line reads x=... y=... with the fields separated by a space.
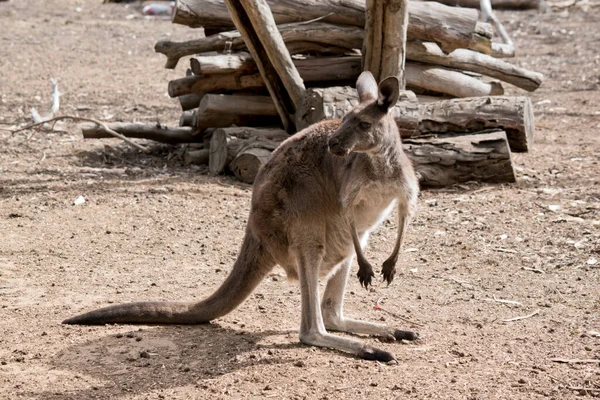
x=313 y=206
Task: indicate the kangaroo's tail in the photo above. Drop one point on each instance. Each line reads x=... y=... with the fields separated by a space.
x=252 y=265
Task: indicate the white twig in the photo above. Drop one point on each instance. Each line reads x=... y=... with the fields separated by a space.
x=37 y=118
x=504 y=301
x=536 y=312
x=507 y=49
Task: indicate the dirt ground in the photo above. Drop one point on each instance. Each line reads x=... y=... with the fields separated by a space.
x=151 y=229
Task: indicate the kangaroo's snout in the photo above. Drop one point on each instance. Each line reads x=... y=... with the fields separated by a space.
x=336 y=148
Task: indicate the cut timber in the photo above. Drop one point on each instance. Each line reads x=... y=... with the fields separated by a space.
x=384 y=46
x=190 y=101
x=451 y=27
x=497 y=4
x=238 y=63
x=222 y=120
x=442 y=80
x=196 y=157
x=299 y=38
x=142 y=131
x=239 y=104
x=248 y=161
x=188 y=118
x=225 y=144
x=331 y=71
x=469 y=60
x=255 y=22
x=514 y=115
x=445 y=161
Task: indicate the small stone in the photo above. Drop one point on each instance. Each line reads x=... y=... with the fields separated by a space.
x=119 y=335
x=138 y=339
x=522 y=381
x=300 y=364
x=186 y=369
x=144 y=354
x=268 y=387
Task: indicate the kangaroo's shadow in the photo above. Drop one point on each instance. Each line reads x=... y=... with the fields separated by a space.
x=162 y=357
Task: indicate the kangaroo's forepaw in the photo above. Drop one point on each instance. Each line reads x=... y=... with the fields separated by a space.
x=388 y=270
x=405 y=335
x=373 y=354
x=365 y=275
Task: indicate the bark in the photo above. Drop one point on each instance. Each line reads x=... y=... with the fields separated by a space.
x=212 y=120
x=450 y=26
x=188 y=118
x=236 y=104
x=445 y=161
x=142 y=131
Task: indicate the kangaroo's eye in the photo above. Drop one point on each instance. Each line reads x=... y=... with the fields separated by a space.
x=365 y=125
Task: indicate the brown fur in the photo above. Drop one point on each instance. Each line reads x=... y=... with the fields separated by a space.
x=313 y=206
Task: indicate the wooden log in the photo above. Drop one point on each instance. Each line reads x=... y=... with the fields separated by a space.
x=196 y=157
x=255 y=22
x=497 y=4
x=237 y=63
x=237 y=104
x=143 y=131
x=190 y=101
x=451 y=27
x=514 y=115
x=227 y=143
x=223 y=120
x=469 y=60
x=384 y=46
x=455 y=83
x=188 y=118
x=330 y=71
x=445 y=161
x=246 y=164
x=299 y=37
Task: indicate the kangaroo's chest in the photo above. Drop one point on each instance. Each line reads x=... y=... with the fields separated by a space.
x=373 y=205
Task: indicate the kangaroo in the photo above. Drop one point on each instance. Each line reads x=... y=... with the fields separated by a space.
x=314 y=205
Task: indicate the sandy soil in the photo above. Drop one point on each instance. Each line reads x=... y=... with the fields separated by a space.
x=152 y=229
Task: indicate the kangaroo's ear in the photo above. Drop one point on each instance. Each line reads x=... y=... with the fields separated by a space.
x=366 y=87
x=389 y=92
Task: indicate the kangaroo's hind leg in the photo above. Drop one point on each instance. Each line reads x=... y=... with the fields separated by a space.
x=333 y=310
x=312 y=329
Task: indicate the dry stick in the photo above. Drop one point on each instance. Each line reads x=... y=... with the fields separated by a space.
x=576 y=361
x=536 y=312
x=95 y=121
x=378 y=307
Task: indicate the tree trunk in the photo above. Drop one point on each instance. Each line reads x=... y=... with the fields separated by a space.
x=196 y=157
x=189 y=101
x=142 y=131
x=451 y=27
x=445 y=161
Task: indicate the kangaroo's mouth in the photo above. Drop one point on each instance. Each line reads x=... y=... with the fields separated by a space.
x=337 y=149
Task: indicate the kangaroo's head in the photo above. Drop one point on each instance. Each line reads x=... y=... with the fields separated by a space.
x=368 y=125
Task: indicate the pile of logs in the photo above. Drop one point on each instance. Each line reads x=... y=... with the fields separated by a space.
x=456 y=123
